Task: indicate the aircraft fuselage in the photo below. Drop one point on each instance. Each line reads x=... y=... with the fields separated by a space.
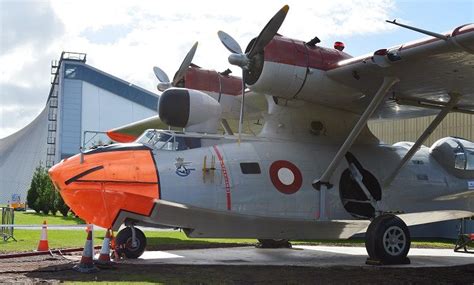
x=257 y=183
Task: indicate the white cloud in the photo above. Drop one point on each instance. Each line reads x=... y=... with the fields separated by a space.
x=127 y=38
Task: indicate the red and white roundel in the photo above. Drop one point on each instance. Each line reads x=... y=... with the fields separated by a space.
x=285 y=176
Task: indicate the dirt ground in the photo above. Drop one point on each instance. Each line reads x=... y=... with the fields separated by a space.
x=57 y=269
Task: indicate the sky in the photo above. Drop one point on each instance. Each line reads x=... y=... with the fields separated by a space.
x=127 y=38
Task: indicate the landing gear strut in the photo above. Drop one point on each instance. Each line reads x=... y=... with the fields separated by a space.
x=387 y=241
x=130 y=242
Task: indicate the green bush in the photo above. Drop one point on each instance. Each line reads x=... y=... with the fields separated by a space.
x=42 y=197
x=61 y=206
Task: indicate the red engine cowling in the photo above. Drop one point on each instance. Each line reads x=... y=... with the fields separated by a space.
x=291 y=69
x=211 y=81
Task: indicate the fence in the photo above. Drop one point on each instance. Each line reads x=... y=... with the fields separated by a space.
x=8 y=218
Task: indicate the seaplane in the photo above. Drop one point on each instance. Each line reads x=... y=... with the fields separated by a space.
x=314 y=171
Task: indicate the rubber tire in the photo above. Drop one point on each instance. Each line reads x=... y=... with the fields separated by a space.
x=123 y=243
x=370 y=235
x=374 y=239
x=274 y=243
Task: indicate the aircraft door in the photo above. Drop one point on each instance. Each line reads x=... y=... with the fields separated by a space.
x=188 y=176
x=240 y=174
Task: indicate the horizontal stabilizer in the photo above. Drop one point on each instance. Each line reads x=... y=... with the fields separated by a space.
x=130 y=132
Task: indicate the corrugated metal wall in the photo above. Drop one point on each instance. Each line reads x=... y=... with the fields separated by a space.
x=455 y=124
x=70 y=126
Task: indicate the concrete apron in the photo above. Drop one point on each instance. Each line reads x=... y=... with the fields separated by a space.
x=313 y=256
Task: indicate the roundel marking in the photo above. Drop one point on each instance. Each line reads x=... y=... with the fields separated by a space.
x=285 y=176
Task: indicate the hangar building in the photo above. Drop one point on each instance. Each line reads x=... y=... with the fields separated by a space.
x=81 y=99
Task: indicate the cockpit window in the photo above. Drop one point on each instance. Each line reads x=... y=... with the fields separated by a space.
x=469 y=158
x=464 y=155
x=454 y=152
x=157 y=140
x=166 y=140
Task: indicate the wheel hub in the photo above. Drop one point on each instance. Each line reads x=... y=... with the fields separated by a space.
x=394 y=240
x=130 y=244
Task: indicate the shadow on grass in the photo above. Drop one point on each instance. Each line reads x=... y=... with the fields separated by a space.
x=415 y=242
x=70 y=219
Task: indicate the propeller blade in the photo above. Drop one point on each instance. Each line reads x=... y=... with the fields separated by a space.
x=269 y=31
x=229 y=42
x=161 y=75
x=185 y=64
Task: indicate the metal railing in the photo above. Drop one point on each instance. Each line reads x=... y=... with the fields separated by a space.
x=8 y=218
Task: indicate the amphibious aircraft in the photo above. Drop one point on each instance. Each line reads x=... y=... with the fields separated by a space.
x=315 y=171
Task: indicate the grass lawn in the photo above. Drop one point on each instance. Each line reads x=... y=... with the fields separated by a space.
x=27 y=240
x=32 y=218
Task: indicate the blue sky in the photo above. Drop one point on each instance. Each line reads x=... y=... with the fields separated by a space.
x=436 y=16
x=127 y=38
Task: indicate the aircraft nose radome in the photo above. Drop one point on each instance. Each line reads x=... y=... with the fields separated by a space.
x=107 y=181
x=60 y=172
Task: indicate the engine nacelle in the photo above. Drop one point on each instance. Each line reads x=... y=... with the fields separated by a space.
x=191 y=109
x=291 y=69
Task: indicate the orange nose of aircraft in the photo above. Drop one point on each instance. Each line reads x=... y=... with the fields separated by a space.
x=107 y=180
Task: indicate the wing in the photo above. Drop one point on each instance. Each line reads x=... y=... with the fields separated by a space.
x=428 y=70
x=130 y=132
x=421 y=218
x=228 y=224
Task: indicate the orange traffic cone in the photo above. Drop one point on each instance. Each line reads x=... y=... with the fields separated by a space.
x=86 y=265
x=104 y=256
x=114 y=255
x=43 y=243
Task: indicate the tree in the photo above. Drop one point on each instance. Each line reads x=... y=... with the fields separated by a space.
x=45 y=199
x=35 y=186
x=42 y=195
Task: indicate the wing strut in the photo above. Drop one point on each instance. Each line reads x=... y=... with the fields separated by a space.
x=436 y=35
x=434 y=124
x=323 y=183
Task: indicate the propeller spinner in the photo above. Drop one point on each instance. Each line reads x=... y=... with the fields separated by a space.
x=243 y=60
x=163 y=77
x=247 y=60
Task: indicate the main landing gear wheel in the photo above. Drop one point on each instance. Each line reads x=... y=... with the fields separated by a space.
x=273 y=243
x=387 y=240
x=125 y=246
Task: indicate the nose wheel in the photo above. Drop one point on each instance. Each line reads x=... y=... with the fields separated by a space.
x=387 y=240
x=130 y=242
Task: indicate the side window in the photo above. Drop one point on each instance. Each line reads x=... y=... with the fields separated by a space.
x=470 y=159
x=250 y=168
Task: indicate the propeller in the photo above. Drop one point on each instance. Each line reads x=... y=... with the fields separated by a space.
x=249 y=59
x=179 y=75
